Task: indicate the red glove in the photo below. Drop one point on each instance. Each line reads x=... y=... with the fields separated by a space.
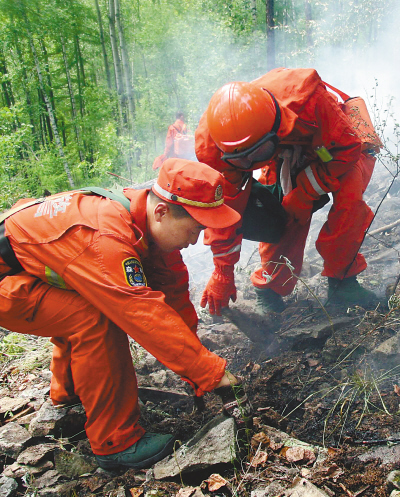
x=299 y=205
x=219 y=289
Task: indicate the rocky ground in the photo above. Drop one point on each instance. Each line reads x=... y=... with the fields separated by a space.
x=324 y=382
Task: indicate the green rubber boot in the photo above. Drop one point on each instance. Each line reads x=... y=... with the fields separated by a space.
x=143 y=454
x=349 y=292
x=268 y=301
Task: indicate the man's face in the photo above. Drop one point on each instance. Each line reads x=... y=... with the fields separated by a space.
x=170 y=233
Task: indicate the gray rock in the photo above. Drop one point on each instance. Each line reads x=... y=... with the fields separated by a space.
x=73 y=465
x=46 y=420
x=62 y=490
x=109 y=487
x=49 y=479
x=388 y=352
x=13 y=438
x=8 y=487
x=312 y=335
x=218 y=336
x=303 y=488
x=119 y=492
x=14 y=470
x=34 y=454
x=388 y=455
x=158 y=378
x=65 y=421
x=9 y=404
x=270 y=490
x=17 y=470
x=213 y=444
x=393 y=479
x=36 y=392
x=280 y=437
x=26 y=420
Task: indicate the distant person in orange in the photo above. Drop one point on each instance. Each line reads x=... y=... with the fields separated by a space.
x=176 y=136
x=87 y=272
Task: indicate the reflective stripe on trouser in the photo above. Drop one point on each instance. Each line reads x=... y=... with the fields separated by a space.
x=338 y=242
x=91 y=360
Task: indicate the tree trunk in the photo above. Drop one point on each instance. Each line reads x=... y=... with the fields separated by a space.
x=5 y=82
x=50 y=92
x=270 y=10
x=253 y=7
x=308 y=15
x=150 y=102
x=72 y=98
x=80 y=59
x=42 y=120
x=116 y=59
x=8 y=94
x=25 y=84
x=103 y=46
x=80 y=76
x=51 y=113
x=46 y=120
x=125 y=63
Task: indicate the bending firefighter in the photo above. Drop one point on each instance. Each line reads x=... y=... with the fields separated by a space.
x=87 y=272
x=307 y=145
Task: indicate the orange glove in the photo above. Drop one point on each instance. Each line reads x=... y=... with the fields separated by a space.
x=299 y=205
x=219 y=289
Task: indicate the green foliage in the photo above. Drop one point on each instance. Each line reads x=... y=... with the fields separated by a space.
x=179 y=53
x=13 y=345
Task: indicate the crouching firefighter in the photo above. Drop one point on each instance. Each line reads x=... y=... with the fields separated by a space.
x=307 y=145
x=88 y=270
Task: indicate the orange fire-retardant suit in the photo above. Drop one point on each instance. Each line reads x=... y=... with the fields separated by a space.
x=78 y=252
x=311 y=118
x=179 y=126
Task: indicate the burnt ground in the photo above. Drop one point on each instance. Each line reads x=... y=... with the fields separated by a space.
x=313 y=372
x=314 y=377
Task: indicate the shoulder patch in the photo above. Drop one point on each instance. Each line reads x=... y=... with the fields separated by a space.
x=133 y=272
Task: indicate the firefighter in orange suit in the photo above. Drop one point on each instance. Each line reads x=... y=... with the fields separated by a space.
x=85 y=271
x=289 y=125
x=179 y=127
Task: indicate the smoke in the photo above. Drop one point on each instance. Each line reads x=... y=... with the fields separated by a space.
x=367 y=68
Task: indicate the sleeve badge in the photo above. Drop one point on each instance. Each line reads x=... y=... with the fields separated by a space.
x=133 y=272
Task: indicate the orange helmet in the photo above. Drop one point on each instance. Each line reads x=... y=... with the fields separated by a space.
x=240 y=114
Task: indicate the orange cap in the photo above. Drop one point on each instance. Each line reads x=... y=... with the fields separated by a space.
x=238 y=115
x=198 y=189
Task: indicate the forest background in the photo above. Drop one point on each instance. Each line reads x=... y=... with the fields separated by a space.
x=89 y=87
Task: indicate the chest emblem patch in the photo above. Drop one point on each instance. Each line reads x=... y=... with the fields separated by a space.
x=133 y=272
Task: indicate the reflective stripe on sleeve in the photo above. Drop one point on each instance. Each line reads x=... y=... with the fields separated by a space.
x=234 y=249
x=313 y=181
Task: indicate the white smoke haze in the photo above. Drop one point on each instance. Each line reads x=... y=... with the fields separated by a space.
x=367 y=69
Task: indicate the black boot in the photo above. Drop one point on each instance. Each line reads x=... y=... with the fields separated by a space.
x=268 y=301
x=349 y=292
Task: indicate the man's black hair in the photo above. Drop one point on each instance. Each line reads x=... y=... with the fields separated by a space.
x=177 y=210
